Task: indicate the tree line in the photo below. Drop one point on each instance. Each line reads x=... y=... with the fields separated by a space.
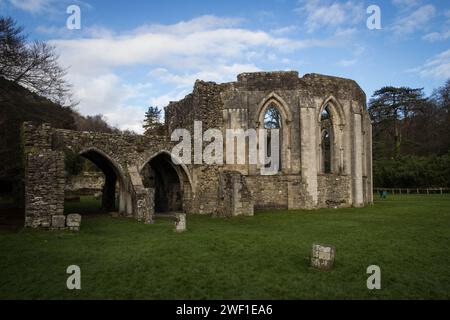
x=411 y=137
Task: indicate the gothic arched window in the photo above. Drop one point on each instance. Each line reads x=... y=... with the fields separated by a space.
x=272 y=121
x=272 y=118
x=326 y=129
x=325 y=114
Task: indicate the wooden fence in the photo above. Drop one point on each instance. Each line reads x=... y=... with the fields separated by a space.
x=413 y=190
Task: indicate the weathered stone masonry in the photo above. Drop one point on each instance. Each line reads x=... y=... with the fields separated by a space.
x=310 y=176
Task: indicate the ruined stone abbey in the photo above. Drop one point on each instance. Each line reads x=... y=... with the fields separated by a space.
x=325 y=153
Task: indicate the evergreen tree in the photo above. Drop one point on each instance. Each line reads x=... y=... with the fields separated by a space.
x=391 y=110
x=152 y=121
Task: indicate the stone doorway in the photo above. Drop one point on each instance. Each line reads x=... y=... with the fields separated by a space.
x=110 y=194
x=167 y=179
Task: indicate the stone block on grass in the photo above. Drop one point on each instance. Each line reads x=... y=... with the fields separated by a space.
x=323 y=256
x=180 y=222
x=58 y=222
x=73 y=221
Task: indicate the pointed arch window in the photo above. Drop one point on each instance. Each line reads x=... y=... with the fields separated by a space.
x=325 y=114
x=272 y=118
x=272 y=121
x=326 y=127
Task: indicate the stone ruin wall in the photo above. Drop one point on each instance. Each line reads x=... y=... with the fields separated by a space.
x=85 y=183
x=44 y=188
x=334 y=190
x=203 y=104
x=225 y=190
x=45 y=177
x=300 y=184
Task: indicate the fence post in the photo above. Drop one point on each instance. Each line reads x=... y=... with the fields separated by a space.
x=400 y=191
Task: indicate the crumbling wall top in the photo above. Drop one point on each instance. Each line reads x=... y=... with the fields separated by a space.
x=267 y=76
x=341 y=88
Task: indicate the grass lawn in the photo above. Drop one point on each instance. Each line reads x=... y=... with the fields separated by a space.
x=261 y=257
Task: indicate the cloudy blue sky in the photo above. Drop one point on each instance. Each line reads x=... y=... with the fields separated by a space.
x=129 y=55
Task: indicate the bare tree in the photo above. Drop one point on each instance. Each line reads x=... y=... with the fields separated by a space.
x=33 y=65
x=93 y=123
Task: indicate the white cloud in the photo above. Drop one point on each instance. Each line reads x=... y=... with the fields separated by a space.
x=356 y=53
x=405 y=3
x=164 y=99
x=437 y=36
x=324 y=13
x=208 y=48
x=64 y=33
x=415 y=20
x=437 y=67
x=51 y=8
x=346 y=63
x=444 y=32
x=106 y=94
x=345 y=32
x=284 y=30
x=175 y=49
x=32 y=6
x=202 y=23
x=215 y=73
x=126 y=117
x=447 y=15
x=97 y=91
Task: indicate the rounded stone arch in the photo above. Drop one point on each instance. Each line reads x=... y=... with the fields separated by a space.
x=283 y=109
x=338 y=123
x=114 y=173
x=171 y=180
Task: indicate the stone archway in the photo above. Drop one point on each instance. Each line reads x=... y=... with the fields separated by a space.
x=113 y=178
x=171 y=182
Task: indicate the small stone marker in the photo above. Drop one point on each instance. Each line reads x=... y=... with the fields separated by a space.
x=180 y=222
x=323 y=256
x=58 y=222
x=73 y=221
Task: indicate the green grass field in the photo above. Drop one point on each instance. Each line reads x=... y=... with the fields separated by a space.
x=260 y=257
